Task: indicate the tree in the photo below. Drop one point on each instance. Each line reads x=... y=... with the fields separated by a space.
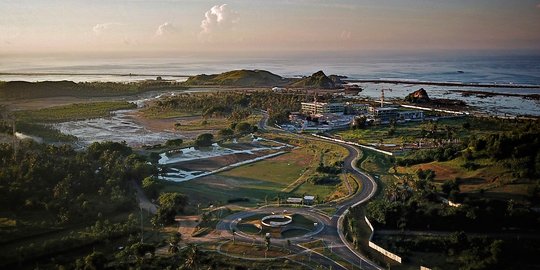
x=174 y=142
x=450 y=185
x=267 y=242
x=169 y=205
x=243 y=128
x=192 y=257
x=150 y=186
x=174 y=243
x=141 y=249
x=359 y=122
x=204 y=140
x=95 y=261
x=226 y=133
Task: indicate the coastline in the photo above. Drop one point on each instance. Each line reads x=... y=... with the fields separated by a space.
x=417 y=82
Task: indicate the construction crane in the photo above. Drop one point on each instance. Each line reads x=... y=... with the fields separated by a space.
x=382 y=95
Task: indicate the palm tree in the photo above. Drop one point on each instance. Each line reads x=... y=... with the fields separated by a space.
x=173 y=243
x=192 y=257
x=267 y=242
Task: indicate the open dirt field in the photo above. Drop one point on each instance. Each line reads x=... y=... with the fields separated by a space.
x=215 y=163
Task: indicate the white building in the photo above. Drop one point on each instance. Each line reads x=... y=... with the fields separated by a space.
x=410 y=115
x=384 y=114
x=356 y=108
x=322 y=107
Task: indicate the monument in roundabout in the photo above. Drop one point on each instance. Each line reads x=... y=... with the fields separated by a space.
x=277 y=225
x=276 y=221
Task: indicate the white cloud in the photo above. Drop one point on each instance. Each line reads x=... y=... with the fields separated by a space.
x=218 y=19
x=100 y=28
x=345 y=35
x=166 y=29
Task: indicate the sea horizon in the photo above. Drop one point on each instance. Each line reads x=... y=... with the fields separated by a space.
x=457 y=67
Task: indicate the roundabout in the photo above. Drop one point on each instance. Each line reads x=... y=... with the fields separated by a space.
x=296 y=225
x=248 y=227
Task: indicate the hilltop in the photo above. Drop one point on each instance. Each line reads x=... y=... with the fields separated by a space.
x=418 y=96
x=317 y=80
x=244 y=78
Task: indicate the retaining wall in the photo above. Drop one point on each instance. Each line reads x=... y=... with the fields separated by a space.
x=379 y=248
x=355 y=144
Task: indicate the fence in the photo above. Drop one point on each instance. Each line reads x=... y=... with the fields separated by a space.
x=379 y=248
x=355 y=144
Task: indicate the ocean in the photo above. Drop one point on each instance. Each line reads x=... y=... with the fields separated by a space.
x=463 y=68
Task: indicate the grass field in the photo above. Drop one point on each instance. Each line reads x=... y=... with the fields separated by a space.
x=280 y=170
x=154 y=114
x=73 y=112
x=265 y=181
x=252 y=251
x=493 y=178
x=409 y=132
x=199 y=123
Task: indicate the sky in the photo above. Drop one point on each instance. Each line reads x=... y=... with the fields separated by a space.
x=260 y=26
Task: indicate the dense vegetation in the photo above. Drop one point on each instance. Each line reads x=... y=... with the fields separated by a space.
x=517 y=149
x=461 y=251
x=73 y=112
x=22 y=90
x=236 y=106
x=416 y=202
x=141 y=256
x=46 y=188
x=242 y=78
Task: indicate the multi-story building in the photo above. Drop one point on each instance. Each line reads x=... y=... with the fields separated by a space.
x=410 y=115
x=384 y=114
x=322 y=107
x=356 y=108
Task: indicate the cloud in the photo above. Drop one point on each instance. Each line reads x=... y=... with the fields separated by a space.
x=218 y=19
x=166 y=29
x=101 y=28
x=345 y=35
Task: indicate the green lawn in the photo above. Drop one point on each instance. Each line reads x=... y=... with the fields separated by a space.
x=221 y=189
x=214 y=123
x=277 y=171
x=267 y=179
x=155 y=114
x=73 y=112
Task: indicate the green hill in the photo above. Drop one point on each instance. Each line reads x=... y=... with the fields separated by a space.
x=245 y=78
x=22 y=89
x=317 y=80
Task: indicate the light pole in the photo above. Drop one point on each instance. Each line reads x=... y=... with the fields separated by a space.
x=142 y=228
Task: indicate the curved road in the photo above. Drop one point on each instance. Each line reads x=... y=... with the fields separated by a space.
x=330 y=231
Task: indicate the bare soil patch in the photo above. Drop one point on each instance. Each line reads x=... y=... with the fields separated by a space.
x=165 y=124
x=214 y=163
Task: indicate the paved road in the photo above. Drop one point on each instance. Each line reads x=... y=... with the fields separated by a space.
x=328 y=228
x=144 y=202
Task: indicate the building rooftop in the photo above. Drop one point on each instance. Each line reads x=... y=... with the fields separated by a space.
x=294 y=200
x=385 y=108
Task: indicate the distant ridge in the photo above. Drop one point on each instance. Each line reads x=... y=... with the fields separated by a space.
x=317 y=80
x=243 y=78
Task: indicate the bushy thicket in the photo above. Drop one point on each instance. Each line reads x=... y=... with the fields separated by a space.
x=236 y=106
x=69 y=184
